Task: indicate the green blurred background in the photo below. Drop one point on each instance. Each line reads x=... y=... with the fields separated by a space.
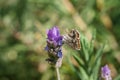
x=23 y=26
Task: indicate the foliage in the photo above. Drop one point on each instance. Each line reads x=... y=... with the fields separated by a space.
x=23 y=25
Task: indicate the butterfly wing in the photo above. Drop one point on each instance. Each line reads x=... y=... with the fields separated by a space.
x=72 y=39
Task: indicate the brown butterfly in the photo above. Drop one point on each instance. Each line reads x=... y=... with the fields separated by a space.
x=72 y=39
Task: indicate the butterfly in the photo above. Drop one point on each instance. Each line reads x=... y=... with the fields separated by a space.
x=72 y=39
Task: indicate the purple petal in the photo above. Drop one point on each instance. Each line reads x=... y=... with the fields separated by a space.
x=59 y=54
x=60 y=42
x=46 y=48
x=56 y=31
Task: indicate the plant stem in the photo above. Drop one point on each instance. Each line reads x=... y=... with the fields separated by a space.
x=58 y=74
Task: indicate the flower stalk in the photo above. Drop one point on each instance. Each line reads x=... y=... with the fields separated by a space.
x=58 y=73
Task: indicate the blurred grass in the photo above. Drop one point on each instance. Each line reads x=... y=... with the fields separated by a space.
x=23 y=26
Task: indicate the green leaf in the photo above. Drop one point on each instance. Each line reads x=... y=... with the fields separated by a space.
x=84 y=49
x=83 y=74
x=117 y=78
x=78 y=59
x=96 y=64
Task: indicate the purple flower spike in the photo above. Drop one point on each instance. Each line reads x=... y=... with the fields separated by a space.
x=106 y=73
x=54 y=46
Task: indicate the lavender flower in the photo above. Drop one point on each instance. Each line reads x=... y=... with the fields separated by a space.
x=54 y=46
x=106 y=73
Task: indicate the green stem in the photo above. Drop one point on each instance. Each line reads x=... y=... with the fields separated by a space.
x=58 y=74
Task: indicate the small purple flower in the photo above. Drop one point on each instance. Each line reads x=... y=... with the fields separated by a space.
x=54 y=46
x=54 y=36
x=53 y=33
x=106 y=73
x=59 y=54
